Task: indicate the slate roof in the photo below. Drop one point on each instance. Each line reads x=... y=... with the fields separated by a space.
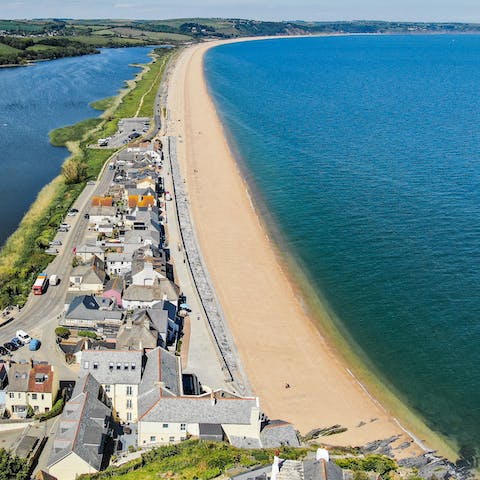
x=102 y=211
x=321 y=470
x=136 y=334
x=118 y=257
x=142 y=293
x=89 y=307
x=18 y=377
x=115 y=283
x=83 y=425
x=113 y=366
x=277 y=433
x=141 y=236
x=89 y=249
x=162 y=374
x=197 y=410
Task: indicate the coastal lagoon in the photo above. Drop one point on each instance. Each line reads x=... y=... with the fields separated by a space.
x=363 y=151
x=40 y=98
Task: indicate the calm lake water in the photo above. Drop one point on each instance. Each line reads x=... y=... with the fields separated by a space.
x=366 y=153
x=37 y=99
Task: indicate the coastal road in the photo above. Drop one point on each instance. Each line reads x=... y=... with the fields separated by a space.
x=40 y=315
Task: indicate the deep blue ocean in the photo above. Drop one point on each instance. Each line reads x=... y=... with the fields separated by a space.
x=365 y=152
x=37 y=99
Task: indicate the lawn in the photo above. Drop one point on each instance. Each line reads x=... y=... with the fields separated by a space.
x=6 y=49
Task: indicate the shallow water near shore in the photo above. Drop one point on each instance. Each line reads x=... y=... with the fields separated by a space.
x=40 y=98
x=365 y=150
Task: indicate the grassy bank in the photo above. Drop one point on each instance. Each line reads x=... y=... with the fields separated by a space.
x=22 y=257
x=193 y=460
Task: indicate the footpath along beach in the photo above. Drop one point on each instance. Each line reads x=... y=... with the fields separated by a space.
x=277 y=341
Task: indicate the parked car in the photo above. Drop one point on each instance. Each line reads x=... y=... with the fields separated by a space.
x=86 y=216
x=53 y=280
x=17 y=342
x=10 y=346
x=34 y=344
x=55 y=242
x=63 y=229
x=24 y=336
x=3 y=351
x=71 y=214
x=73 y=210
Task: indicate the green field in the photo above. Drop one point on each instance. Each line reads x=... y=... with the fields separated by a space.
x=102 y=41
x=144 y=35
x=6 y=49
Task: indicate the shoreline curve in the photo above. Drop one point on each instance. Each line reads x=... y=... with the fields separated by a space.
x=261 y=299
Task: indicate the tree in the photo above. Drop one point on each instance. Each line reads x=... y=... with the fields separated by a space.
x=62 y=332
x=74 y=171
x=13 y=468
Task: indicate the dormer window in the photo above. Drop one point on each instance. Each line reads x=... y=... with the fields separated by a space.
x=119 y=366
x=110 y=366
x=133 y=366
x=125 y=366
x=86 y=365
x=95 y=365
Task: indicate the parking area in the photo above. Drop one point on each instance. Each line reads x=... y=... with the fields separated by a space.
x=56 y=244
x=128 y=129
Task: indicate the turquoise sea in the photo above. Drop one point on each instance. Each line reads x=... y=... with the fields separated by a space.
x=40 y=98
x=364 y=151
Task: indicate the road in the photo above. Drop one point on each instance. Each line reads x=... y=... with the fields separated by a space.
x=39 y=316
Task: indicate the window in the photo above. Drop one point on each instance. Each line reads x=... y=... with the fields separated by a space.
x=153 y=438
x=95 y=365
x=165 y=425
x=11 y=395
x=133 y=366
x=43 y=396
x=35 y=408
x=129 y=390
x=129 y=403
x=110 y=366
x=119 y=366
x=85 y=364
x=34 y=396
x=171 y=439
x=125 y=366
x=183 y=426
x=129 y=417
x=107 y=388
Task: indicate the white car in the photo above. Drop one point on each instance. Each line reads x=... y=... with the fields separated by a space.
x=24 y=336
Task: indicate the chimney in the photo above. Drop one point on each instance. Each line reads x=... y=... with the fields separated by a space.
x=212 y=397
x=129 y=323
x=322 y=454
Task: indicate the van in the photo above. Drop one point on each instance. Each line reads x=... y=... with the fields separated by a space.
x=24 y=336
x=53 y=280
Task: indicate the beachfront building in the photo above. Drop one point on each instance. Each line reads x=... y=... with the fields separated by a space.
x=137 y=334
x=119 y=372
x=34 y=385
x=146 y=296
x=79 y=445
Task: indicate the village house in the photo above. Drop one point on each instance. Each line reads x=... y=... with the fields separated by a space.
x=114 y=290
x=119 y=372
x=137 y=334
x=118 y=263
x=99 y=215
x=88 y=277
x=141 y=296
x=33 y=385
x=84 y=429
x=86 y=252
x=318 y=467
x=97 y=314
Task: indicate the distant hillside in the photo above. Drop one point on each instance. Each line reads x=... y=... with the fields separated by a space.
x=54 y=38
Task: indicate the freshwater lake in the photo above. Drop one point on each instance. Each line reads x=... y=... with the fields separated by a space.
x=40 y=98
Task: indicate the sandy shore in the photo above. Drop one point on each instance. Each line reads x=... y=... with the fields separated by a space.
x=277 y=341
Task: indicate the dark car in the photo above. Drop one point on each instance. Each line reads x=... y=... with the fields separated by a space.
x=17 y=342
x=74 y=210
x=3 y=351
x=87 y=216
x=10 y=346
